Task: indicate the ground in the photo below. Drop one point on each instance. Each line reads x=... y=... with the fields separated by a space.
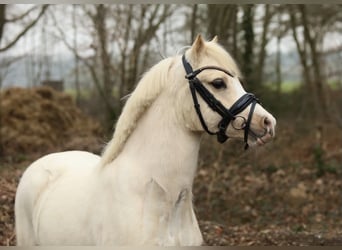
x=286 y=193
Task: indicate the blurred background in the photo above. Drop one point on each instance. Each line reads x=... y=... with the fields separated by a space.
x=64 y=70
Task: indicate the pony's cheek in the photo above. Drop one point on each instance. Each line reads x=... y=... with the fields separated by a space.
x=234 y=133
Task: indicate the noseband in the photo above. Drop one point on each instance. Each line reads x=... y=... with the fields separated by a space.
x=227 y=115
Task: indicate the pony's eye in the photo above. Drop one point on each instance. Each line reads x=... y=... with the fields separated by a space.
x=219 y=83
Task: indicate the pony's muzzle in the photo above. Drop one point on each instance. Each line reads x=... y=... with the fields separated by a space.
x=268 y=123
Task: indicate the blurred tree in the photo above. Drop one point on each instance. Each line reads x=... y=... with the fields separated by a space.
x=220 y=22
x=193 y=22
x=195 y=15
x=247 y=60
x=75 y=45
x=310 y=24
x=280 y=31
x=142 y=24
x=4 y=20
x=235 y=26
x=99 y=18
x=263 y=41
x=121 y=30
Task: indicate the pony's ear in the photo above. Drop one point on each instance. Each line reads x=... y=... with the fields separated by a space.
x=196 y=49
x=198 y=45
x=215 y=39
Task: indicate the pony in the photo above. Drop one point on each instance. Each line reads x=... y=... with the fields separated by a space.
x=139 y=191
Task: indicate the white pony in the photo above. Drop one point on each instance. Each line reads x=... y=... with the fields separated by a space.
x=139 y=192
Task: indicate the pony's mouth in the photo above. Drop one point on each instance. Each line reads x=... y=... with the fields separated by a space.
x=260 y=138
x=257 y=137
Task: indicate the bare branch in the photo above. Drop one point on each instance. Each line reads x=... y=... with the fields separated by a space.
x=24 y=31
x=22 y=16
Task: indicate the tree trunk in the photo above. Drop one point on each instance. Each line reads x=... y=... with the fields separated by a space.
x=100 y=24
x=278 y=66
x=306 y=102
x=123 y=52
x=101 y=29
x=2 y=24
x=278 y=56
x=2 y=19
x=235 y=33
x=317 y=83
x=262 y=51
x=193 y=22
x=220 y=22
x=247 y=55
x=77 y=81
x=144 y=36
x=315 y=100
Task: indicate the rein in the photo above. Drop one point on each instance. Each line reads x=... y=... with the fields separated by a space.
x=228 y=115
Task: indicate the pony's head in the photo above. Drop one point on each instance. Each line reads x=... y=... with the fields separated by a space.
x=222 y=106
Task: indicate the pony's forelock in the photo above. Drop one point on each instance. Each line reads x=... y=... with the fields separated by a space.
x=223 y=58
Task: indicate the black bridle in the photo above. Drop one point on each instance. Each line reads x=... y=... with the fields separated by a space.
x=227 y=115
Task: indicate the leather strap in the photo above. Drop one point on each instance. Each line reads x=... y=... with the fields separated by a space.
x=227 y=115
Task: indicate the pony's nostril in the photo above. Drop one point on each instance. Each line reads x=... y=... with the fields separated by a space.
x=267 y=122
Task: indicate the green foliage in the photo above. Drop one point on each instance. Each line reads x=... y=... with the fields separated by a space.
x=270 y=169
x=335 y=84
x=298 y=228
x=13 y=159
x=285 y=87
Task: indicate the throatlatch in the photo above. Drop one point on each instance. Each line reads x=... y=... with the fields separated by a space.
x=227 y=115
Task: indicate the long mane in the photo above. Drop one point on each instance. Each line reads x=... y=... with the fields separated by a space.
x=146 y=92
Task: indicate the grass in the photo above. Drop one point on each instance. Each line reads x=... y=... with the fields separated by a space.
x=288 y=86
x=285 y=87
x=84 y=93
x=291 y=86
x=335 y=84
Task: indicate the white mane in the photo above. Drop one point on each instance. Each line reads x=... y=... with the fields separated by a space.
x=147 y=90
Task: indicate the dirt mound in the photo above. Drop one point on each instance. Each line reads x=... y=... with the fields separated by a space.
x=40 y=120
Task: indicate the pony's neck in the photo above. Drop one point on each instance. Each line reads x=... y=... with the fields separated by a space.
x=163 y=148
